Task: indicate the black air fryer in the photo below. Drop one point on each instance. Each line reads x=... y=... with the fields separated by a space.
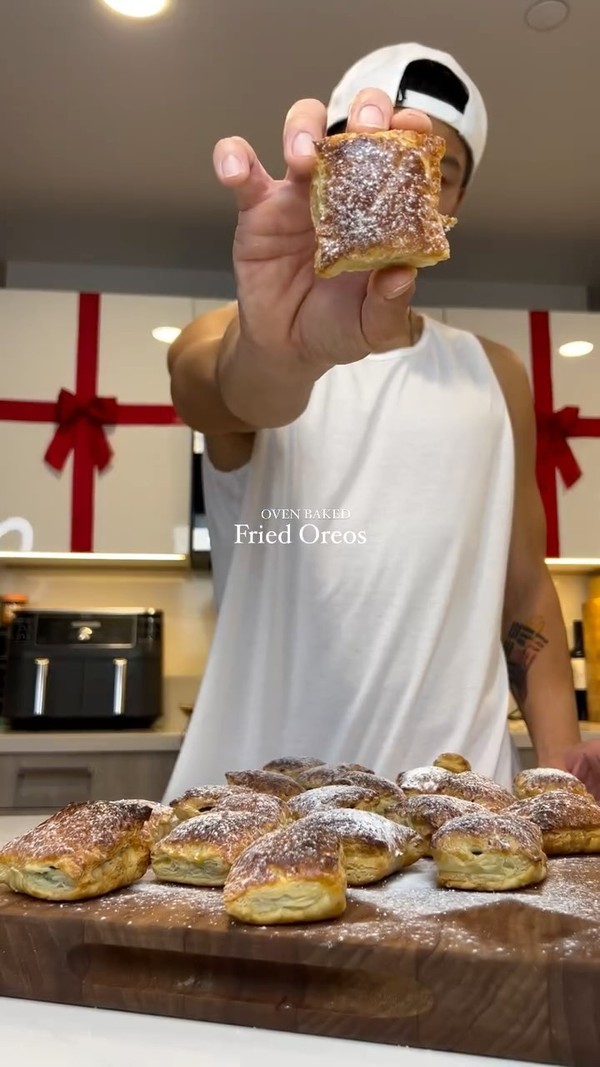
x=84 y=670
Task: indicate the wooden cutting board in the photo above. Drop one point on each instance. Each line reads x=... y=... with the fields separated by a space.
x=514 y=975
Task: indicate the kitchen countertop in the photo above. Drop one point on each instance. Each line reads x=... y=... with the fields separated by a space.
x=96 y=741
x=63 y=1036
x=160 y=739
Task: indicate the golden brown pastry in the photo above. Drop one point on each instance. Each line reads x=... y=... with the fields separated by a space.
x=359 y=768
x=369 y=781
x=84 y=850
x=317 y=777
x=161 y=819
x=293 y=765
x=570 y=822
x=423 y=780
x=489 y=853
x=382 y=801
x=290 y=876
x=479 y=790
x=278 y=785
x=538 y=780
x=326 y=774
x=209 y=797
x=373 y=847
x=200 y=851
x=374 y=201
x=428 y=812
x=452 y=761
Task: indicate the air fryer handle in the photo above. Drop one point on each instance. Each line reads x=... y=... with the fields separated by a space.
x=41 y=681
x=120 y=666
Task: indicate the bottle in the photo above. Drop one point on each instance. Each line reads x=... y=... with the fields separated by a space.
x=578 y=668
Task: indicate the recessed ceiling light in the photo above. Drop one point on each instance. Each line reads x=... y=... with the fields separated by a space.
x=168 y=334
x=576 y=348
x=138 y=9
x=547 y=14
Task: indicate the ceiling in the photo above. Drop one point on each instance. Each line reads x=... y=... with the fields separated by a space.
x=107 y=124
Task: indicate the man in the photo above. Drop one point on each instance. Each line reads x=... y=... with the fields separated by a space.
x=389 y=535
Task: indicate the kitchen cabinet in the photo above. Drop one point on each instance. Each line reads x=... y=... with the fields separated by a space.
x=119 y=478
x=46 y=782
x=575 y=384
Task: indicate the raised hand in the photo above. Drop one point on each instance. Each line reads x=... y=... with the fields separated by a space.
x=283 y=307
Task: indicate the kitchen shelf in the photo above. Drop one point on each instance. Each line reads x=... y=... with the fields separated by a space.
x=97 y=560
x=573 y=566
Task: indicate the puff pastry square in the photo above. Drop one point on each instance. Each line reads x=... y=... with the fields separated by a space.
x=293 y=875
x=373 y=846
x=537 y=780
x=569 y=821
x=374 y=202
x=201 y=850
x=84 y=850
x=489 y=853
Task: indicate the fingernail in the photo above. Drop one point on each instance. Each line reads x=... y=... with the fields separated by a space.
x=303 y=144
x=231 y=166
x=370 y=115
x=401 y=287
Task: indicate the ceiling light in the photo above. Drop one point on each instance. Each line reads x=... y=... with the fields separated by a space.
x=547 y=14
x=167 y=334
x=138 y=9
x=576 y=348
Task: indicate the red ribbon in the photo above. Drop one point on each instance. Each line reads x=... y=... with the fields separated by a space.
x=80 y=419
x=97 y=412
x=554 y=429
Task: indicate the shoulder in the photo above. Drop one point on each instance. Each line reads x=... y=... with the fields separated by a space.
x=513 y=380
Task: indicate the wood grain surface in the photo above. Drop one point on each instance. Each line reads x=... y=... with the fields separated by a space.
x=512 y=975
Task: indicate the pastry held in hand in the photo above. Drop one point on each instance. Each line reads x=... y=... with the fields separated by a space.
x=536 y=780
x=200 y=851
x=293 y=875
x=373 y=847
x=374 y=202
x=489 y=853
x=570 y=822
x=84 y=850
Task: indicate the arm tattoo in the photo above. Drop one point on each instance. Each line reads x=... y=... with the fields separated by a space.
x=521 y=646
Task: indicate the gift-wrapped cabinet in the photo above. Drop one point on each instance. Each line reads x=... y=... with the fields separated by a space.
x=93 y=455
x=566 y=392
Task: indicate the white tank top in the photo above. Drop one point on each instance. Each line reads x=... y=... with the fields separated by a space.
x=382 y=646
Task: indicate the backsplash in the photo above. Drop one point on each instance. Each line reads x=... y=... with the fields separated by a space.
x=186 y=599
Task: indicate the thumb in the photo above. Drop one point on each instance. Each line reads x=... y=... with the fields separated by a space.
x=385 y=307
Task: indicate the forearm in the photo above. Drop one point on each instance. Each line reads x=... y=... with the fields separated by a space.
x=539 y=670
x=221 y=386
x=263 y=388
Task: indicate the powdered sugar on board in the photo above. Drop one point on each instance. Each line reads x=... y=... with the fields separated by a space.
x=561 y=914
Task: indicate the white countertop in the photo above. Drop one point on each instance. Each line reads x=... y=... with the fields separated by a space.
x=64 y=1036
x=96 y=741
x=160 y=739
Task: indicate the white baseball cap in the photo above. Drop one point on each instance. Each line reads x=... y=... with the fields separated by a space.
x=418 y=77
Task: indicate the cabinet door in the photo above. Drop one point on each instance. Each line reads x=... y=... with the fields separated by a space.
x=142 y=502
x=576 y=383
x=139 y=502
x=45 y=783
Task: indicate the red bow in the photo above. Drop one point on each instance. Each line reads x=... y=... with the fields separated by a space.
x=73 y=412
x=554 y=431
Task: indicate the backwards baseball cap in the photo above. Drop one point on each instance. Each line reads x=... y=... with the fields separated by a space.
x=418 y=77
